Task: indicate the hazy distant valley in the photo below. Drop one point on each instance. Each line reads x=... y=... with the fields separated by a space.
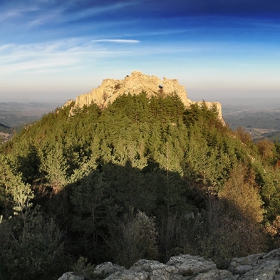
x=260 y=117
x=14 y=115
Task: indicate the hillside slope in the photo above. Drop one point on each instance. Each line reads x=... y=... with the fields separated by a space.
x=144 y=177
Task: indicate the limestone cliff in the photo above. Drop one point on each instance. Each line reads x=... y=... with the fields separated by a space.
x=135 y=83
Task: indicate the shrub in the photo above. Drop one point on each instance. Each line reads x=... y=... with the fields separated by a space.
x=135 y=238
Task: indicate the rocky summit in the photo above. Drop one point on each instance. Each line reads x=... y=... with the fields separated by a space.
x=262 y=266
x=135 y=83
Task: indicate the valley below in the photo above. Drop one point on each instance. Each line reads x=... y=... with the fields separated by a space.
x=15 y=115
x=260 y=117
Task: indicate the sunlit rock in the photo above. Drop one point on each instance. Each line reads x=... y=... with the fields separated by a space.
x=135 y=83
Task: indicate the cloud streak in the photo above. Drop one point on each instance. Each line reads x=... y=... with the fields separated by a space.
x=46 y=12
x=55 y=54
x=14 y=13
x=122 y=41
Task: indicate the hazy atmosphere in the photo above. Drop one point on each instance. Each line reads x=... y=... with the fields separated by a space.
x=56 y=50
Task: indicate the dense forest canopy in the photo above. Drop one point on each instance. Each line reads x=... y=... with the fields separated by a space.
x=141 y=178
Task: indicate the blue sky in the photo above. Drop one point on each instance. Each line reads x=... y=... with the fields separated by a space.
x=56 y=50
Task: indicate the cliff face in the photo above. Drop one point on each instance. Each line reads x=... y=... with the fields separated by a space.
x=135 y=83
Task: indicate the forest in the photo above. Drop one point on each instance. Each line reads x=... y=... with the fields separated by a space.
x=141 y=178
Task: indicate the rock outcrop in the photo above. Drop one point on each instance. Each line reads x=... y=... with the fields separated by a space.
x=263 y=266
x=135 y=83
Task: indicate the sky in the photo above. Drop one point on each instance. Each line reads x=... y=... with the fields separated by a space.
x=56 y=50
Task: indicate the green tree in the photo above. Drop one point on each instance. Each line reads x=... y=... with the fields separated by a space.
x=54 y=167
x=242 y=195
x=266 y=149
x=30 y=246
x=32 y=249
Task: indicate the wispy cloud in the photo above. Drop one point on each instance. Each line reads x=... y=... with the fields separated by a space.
x=245 y=64
x=15 y=13
x=65 y=13
x=38 y=14
x=74 y=52
x=97 y=10
x=116 y=41
x=54 y=16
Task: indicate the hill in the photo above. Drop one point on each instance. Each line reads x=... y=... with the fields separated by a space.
x=143 y=177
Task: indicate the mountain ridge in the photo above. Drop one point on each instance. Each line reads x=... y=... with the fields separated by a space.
x=135 y=83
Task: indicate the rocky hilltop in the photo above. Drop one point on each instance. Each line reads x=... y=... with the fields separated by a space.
x=135 y=83
x=262 y=266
